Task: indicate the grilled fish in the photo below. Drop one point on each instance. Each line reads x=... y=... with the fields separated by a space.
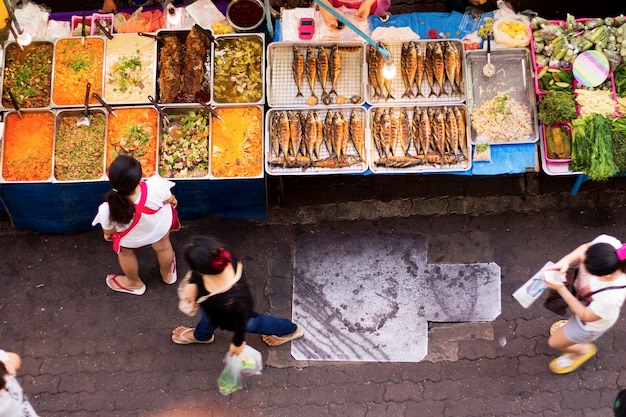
x=460 y=122
x=404 y=134
x=295 y=131
x=439 y=133
x=374 y=77
x=310 y=135
x=425 y=132
x=438 y=67
x=409 y=67
x=399 y=161
x=335 y=68
x=385 y=133
x=322 y=67
x=311 y=69
x=356 y=133
x=420 y=67
x=284 y=133
x=453 y=131
x=429 y=69
x=297 y=68
x=450 y=56
x=319 y=135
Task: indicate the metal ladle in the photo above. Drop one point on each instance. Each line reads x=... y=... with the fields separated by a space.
x=174 y=129
x=489 y=69
x=85 y=120
x=104 y=103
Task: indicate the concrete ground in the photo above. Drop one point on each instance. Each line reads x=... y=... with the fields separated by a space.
x=89 y=351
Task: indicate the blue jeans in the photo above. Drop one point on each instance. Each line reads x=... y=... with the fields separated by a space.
x=261 y=324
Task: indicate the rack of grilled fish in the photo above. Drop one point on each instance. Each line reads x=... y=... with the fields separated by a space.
x=316 y=75
x=419 y=139
x=316 y=141
x=426 y=72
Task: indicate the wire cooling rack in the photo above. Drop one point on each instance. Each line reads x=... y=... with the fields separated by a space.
x=459 y=165
x=281 y=86
x=398 y=87
x=325 y=151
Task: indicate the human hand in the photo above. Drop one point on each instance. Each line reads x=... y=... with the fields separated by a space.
x=236 y=350
x=329 y=19
x=363 y=12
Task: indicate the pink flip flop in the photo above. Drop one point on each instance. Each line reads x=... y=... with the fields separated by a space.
x=120 y=288
x=173 y=273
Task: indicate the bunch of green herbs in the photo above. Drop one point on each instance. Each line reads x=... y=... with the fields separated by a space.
x=592 y=147
x=556 y=107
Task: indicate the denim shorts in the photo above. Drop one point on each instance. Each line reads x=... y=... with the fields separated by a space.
x=576 y=333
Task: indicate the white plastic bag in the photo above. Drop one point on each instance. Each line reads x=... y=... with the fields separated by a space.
x=229 y=380
x=249 y=362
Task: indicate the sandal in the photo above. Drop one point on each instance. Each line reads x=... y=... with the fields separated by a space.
x=181 y=339
x=173 y=273
x=112 y=280
x=556 y=326
x=564 y=364
x=279 y=340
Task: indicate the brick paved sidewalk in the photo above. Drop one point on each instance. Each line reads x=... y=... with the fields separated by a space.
x=89 y=351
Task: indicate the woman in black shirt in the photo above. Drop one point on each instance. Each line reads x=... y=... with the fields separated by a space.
x=225 y=300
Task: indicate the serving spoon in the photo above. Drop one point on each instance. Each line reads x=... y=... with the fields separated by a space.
x=85 y=120
x=174 y=129
x=489 y=69
x=104 y=103
x=15 y=105
x=103 y=29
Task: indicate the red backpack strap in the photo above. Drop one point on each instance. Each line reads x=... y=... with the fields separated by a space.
x=139 y=208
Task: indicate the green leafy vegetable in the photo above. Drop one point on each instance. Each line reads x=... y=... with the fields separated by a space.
x=618 y=134
x=592 y=147
x=620 y=80
x=556 y=107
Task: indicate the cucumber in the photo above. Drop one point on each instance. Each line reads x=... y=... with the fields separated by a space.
x=562 y=84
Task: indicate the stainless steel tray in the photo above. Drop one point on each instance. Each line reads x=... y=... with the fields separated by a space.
x=20 y=71
x=428 y=96
x=282 y=89
x=184 y=150
x=35 y=138
x=231 y=60
x=124 y=83
x=80 y=153
x=204 y=92
x=237 y=143
x=72 y=60
x=413 y=161
x=326 y=162
x=513 y=83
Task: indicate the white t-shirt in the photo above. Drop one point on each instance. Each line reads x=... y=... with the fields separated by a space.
x=606 y=304
x=12 y=401
x=151 y=227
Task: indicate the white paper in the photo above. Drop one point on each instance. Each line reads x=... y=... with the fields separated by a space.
x=205 y=13
x=532 y=289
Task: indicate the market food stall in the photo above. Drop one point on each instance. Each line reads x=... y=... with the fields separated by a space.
x=217 y=113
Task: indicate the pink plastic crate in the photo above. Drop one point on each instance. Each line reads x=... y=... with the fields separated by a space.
x=106 y=19
x=532 y=41
x=76 y=20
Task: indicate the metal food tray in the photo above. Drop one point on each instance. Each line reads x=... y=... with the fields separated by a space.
x=513 y=76
x=4 y=144
x=130 y=45
x=75 y=112
x=216 y=52
x=204 y=93
x=247 y=139
x=112 y=120
x=461 y=164
x=325 y=152
x=7 y=45
x=398 y=87
x=282 y=89
x=180 y=110
x=96 y=84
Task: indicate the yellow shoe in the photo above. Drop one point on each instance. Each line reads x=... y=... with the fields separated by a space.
x=564 y=364
x=556 y=326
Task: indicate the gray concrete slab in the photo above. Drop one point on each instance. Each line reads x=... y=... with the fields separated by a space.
x=369 y=297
